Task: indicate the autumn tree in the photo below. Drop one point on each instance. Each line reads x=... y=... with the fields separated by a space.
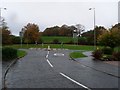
x=112 y=37
x=31 y=33
x=66 y=30
x=6 y=33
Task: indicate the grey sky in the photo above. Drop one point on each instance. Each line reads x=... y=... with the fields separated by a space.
x=47 y=14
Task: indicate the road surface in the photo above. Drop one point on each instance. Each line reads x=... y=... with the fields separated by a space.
x=53 y=69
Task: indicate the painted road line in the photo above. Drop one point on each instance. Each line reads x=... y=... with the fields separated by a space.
x=75 y=81
x=47 y=56
x=48 y=52
x=49 y=63
x=58 y=54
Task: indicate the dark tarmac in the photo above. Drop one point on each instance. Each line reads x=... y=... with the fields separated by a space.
x=35 y=70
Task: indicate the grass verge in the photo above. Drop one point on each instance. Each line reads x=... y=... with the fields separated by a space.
x=65 y=46
x=21 y=53
x=77 y=55
x=49 y=39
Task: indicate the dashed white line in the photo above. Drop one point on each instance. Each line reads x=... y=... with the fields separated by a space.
x=49 y=63
x=47 y=56
x=75 y=81
x=48 y=52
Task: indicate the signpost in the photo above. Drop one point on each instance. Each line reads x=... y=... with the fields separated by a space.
x=21 y=33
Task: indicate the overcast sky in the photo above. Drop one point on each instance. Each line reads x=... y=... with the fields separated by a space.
x=69 y=12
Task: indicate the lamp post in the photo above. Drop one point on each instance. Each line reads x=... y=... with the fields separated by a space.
x=94 y=28
x=1 y=15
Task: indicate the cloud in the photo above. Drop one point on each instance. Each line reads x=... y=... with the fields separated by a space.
x=47 y=14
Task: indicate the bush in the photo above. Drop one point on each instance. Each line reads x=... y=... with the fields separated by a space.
x=116 y=56
x=107 y=58
x=40 y=41
x=117 y=49
x=82 y=41
x=9 y=53
x=70 y=42
x=107 y=50
x=97 y=54
x=56 y=41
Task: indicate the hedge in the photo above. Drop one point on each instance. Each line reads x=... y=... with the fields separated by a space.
x=8 y=53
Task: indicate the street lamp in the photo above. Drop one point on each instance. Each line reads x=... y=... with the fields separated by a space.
x=94 y=28
x=1 y=14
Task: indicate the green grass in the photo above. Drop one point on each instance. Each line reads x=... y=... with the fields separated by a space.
x=49 y=39
x=21 y=53
x=65 y=46
x=117 y=49
x=77 y=55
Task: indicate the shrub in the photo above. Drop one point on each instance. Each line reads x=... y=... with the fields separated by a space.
x=107 y=58
x=116 y=56
x=107 y=50
x=82 y=41
x=9 y=53
x=117 y=49
x=56 y=41
x=97 y=54
x=40 y=41
x=70 y=42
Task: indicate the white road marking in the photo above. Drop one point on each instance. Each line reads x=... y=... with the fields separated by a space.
x=49 y=63
x=48 y=52
x=75 y=81
x=58 y=54
x=47 y=56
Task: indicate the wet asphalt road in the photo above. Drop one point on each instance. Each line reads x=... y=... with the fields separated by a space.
x=37 y=70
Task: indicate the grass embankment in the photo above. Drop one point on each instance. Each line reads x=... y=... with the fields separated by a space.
x=77 y=55
x=21 y=53
x=65 y=46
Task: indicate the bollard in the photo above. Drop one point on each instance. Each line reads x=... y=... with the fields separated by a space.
x=48 y=48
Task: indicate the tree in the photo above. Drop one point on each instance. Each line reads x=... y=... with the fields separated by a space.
x=15 y=39
x=52 y=31
x=6 y=39
x=80 y=28
x=90 y=34
x=65 y=30
x=5 y=32
x=31 y=33
x=99 y=31
x=111 y=38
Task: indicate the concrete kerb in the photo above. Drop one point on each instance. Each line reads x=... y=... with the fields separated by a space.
x=6 y=71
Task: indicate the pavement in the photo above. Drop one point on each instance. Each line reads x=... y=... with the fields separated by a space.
x=54 y=69
x=99 y=65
